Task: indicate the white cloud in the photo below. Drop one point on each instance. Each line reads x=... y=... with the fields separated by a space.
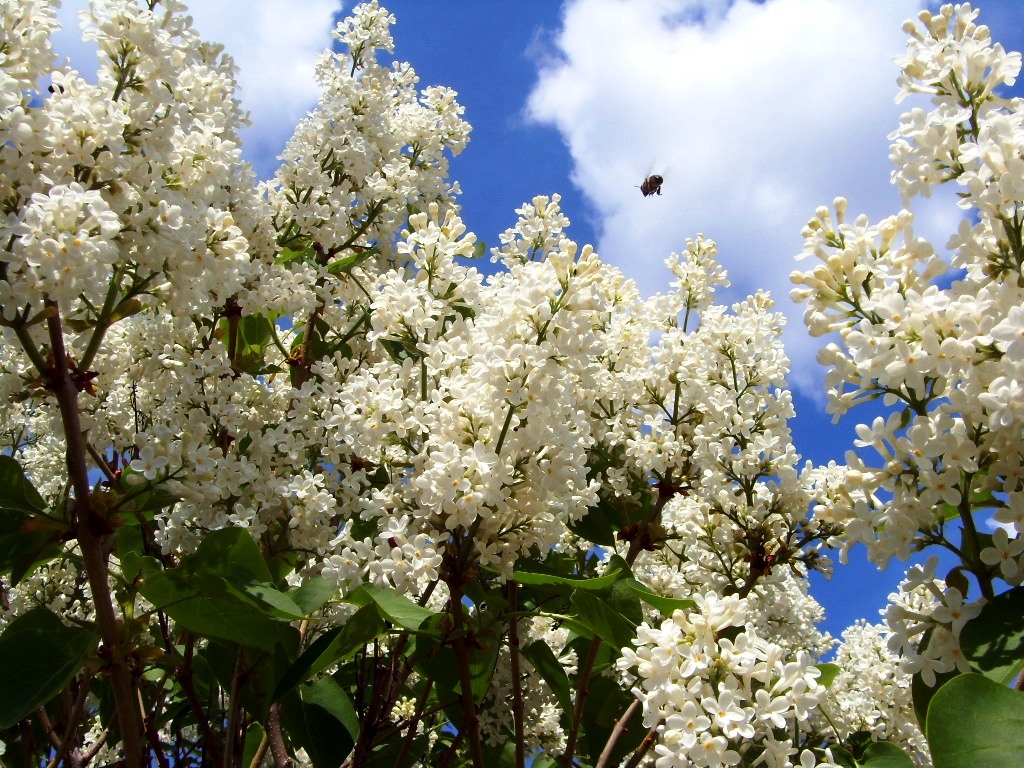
x=755 y=113
x=273 y=45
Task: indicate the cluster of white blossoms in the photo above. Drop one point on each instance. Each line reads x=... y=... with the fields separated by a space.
x=926 y=604
x=871 y=692
x=705 y=423
x=372 y=150
x=312 y=359
x=720 y=694
x=116 y=182
x=939 y=343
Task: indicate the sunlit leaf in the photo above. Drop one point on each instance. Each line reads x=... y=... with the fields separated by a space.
x=539 y=575
x=328 y=695
x=973 y=721
x=226 y=619
x=884 y=754
x=396 y=608
x=610 y=625
x=993 y=641
x=313 y=593
x=829 y=672
x=16 y=492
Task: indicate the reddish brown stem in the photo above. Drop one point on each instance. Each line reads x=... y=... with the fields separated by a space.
x=512 y=594
x=91 y=540
x=582 y=691
x=616 y=734
x=277 y=748
x=644 y=748
x=188 y=687
x=471 y=726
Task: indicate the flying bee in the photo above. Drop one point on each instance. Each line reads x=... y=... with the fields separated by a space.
x=652 y=185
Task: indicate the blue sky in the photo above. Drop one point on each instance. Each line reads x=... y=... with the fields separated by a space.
x=754 y=112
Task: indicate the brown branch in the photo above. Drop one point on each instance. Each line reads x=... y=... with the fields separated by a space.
x=151 y=715
x=617 y=731
x=51 y=732
x=101 y=463
x=94 y=750
x=206 y=734
x=233 y=707
x=370 y=718
x=71 y=729
x=512 y=595
x=91 y=540
x=472 y=722
x=153 y=737
x=645 y=747
x=277 y=748
x=582 y=691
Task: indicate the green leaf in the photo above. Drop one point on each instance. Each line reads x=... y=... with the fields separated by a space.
x=599 y=524
x=479 y=249
x=223 y=591
x=993 y=641
x=144 y=501
x=386 y=754
x=543 y=659
x=884 y=754
x=225 y=619
x=253 y=737
x=396 y=608
x=256 y=330
x=435 y=660
x=345 y=264
x=500 y=755
x=539 y=575
x=22 y=551
x=289 y=256
x=314 y=592
x=335 y=645
x=126 y=308
x=16 y=492
x=973 y=721
x=229 y=547
x=261 y=596
x=400 y=351
x=483 y=659
x=315 y=729
x=829 y=672
x=666 y=606
x=40 y=656
x=166 y=587
x=623 y=598
x=327 y=694
x=842 y=758
x=604 y=621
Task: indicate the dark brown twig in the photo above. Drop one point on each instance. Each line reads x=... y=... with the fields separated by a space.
x=512 y=595
x=617 y=731
x=277 y=748
x=90 y=539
